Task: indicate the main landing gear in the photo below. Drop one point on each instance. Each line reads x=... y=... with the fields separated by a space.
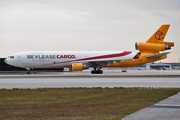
x=97 y=71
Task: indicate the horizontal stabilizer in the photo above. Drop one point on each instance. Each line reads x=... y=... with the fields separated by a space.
x=157 y=55
x=167 y=43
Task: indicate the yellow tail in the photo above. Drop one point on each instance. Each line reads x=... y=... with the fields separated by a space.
x=149 y=51
x=159 y=35
x=155 y=42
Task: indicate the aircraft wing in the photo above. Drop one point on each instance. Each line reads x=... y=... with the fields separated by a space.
x=105 y=62
x=157 y=55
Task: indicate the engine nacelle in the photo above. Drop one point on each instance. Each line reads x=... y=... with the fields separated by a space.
x=151 y=46
x=79 y=66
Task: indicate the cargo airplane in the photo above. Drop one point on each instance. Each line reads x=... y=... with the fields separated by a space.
x=149 y=51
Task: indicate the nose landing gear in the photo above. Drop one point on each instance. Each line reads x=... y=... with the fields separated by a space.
x=28 y=70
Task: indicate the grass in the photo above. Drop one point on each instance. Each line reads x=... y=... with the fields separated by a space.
x=78 y=103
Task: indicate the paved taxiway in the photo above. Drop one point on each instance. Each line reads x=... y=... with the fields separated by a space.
x=55 y=82
x=110 y=78
x=87 y=73
x=167 y=109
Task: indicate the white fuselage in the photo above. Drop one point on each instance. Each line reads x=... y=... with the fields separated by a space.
x=41 y=59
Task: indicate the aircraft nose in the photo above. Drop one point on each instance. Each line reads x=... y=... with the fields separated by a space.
x=5 y=60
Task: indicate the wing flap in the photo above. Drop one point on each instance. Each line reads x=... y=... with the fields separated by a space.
x=103 y=63
x=111 y=62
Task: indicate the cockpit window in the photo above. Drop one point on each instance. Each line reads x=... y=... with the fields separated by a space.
x=12 y=57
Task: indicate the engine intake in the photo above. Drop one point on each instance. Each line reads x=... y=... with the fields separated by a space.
x=151 y=46
x=79 y=66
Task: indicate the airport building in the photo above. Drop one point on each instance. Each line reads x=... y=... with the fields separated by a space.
x=6 y=67
x=158 y=66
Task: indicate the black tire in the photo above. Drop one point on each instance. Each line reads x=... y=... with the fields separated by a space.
x=97 y=72
x=92 y=72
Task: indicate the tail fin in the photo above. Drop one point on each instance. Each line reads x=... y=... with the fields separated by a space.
x=159 y=35
x=155 y=42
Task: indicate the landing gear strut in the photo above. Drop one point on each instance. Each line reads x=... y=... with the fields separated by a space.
x=97 y=71
x=28 y=70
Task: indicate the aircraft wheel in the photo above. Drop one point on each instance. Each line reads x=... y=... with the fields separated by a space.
x=93 y=72
x=97 y=72
x=28 y=72
x=100 y=72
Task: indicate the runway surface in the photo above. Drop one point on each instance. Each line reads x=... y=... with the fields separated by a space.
x=164 y=110
x=106 y=73
x=61 y=82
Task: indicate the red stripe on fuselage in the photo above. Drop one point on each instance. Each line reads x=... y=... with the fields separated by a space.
x=100 y=57
x=106 y=56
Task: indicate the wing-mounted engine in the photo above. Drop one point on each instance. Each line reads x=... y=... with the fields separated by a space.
x=79 y=66
x=161 y=46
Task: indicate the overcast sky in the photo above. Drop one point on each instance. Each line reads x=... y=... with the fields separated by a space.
x=83 y=25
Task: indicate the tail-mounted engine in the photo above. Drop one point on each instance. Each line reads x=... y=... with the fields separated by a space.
x=153 y=46
x=79 y=66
